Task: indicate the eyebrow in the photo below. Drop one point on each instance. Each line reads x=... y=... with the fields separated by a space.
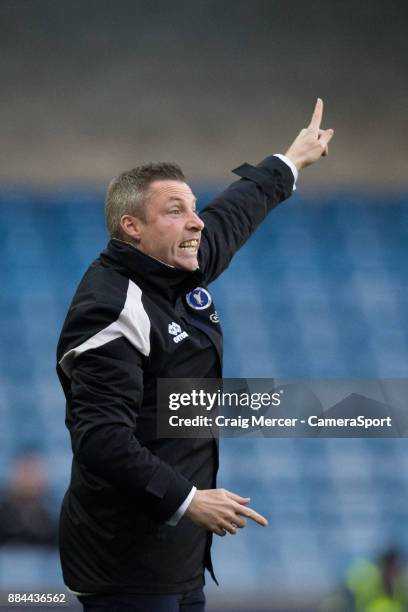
x=176 y=199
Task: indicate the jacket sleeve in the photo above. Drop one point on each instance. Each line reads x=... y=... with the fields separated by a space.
x=234 y=215
x=106 y=394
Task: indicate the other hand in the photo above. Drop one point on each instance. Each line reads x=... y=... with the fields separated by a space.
x=312 y=142
x=221 y=511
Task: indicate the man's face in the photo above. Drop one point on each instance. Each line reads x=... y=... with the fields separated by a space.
x=172 y=229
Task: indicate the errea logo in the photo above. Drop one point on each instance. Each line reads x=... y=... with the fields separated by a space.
x=175 y=330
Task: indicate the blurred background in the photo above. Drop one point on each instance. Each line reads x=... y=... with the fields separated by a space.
x=90 y=88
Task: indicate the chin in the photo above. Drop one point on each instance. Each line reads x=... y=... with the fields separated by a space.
x=191 y=265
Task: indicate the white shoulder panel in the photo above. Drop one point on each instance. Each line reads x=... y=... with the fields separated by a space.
x=133 y=320
x=132 y=324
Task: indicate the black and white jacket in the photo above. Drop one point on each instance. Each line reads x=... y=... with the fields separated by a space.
x=133 y=320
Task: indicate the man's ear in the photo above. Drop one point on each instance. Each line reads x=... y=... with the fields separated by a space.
x=131 y=227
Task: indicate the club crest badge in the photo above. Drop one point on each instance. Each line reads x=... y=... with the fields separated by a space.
x=199 y=299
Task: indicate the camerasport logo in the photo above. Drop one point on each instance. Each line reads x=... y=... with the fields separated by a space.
x=176 y=331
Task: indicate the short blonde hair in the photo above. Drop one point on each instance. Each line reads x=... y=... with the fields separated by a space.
x=127 y=194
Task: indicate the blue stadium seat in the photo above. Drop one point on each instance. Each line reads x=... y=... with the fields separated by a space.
x=319 y=292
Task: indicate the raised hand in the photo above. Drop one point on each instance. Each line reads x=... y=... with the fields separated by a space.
x=312 y=142
x=221 y=511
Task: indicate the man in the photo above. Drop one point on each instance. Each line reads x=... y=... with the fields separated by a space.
x=139 y=514
x=25 y=518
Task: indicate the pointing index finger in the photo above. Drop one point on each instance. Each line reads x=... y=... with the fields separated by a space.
x=255 y=516
x=317 y=115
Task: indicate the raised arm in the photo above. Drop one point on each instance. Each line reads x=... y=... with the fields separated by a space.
x=236 y=213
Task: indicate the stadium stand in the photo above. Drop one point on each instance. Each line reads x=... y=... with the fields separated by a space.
x=320 y=291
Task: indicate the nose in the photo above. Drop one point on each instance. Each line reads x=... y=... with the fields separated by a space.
x=195 y=222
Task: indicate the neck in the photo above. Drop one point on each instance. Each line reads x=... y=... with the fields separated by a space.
x=147 y=271
x=132 y=244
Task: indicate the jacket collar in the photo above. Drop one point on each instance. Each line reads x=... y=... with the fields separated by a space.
x=150 y=273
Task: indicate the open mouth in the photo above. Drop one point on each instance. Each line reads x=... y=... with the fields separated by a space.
x=190 y=245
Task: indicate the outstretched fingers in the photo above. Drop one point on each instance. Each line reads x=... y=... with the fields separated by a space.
x=317 y=116
x=252 y=514
x=312 y=142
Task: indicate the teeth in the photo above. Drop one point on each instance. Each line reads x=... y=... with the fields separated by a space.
x=188 y=244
